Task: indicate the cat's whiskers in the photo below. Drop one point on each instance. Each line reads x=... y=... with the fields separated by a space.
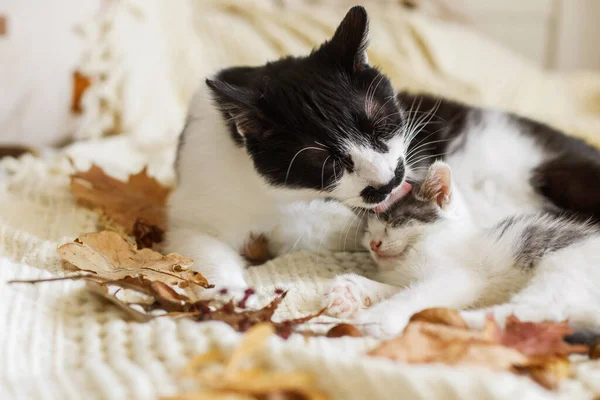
x=296 y=155
x=380 y=109
x=370 y=104
x=412 y=151
x=295 y=243
x=359 y=223
x=348 y=230
x=323 y=173
x=411 y=121
x=413 y=163
x=325 y=147
x=366 y=105
x=334 y=173
x=419 y=124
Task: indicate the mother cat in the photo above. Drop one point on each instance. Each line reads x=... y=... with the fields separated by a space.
x=264 y=146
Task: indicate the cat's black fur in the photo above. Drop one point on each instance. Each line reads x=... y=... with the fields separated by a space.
x=317 y=101
x=565 y=178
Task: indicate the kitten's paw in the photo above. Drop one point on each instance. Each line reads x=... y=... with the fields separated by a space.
x=345 y=297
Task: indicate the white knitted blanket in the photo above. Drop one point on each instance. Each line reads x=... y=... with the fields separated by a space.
x=59 y=342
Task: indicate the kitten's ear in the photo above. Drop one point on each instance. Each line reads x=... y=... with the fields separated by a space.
x=350 y=41
x=240 y=105
x=437 y=186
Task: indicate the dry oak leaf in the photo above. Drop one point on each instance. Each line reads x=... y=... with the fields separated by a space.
x=110 y=256
x=141 y=198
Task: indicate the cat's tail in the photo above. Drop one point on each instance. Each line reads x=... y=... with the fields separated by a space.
x=588 y=337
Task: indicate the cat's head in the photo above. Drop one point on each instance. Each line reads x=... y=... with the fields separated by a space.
x=327 y=122
x=428 y=204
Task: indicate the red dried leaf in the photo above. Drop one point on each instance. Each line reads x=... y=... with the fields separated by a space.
x=538 y=338
x=141 y=198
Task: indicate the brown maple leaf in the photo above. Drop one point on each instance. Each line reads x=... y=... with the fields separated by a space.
x=138 y=204
x=110 y=256
x=538 y=338
x=425 y=342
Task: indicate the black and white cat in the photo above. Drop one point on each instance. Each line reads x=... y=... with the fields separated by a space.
x=431 y=253
x=265 y=147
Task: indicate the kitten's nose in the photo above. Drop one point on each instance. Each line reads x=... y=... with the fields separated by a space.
x=375 y=245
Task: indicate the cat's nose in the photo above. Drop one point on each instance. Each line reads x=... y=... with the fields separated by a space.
x=375 y=245
x=372 y=194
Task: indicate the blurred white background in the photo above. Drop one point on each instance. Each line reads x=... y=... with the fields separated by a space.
x=556 y=34
x=39 y=48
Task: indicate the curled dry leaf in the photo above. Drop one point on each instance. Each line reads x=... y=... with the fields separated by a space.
x=80 y=85
x=439 y=315
x=141 y=198
x=103 y=291
x=440 y=336
x=342 y=330
x=220 y=376
x=110 y=256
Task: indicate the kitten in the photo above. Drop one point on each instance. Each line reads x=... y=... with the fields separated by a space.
x=264 y=147
x=431 y=253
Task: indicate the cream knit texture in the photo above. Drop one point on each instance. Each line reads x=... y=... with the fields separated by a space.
x=57 y=341
x=146 y=58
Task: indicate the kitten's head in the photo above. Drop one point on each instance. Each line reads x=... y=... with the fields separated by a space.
x=391 y=234
x=327 y=122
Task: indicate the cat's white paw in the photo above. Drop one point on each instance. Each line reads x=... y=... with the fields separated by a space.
x=345 y=297
x=381 y=322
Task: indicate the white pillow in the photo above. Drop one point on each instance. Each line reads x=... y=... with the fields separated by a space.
x=39 y=53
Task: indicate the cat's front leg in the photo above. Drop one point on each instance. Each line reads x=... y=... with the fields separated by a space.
x=350 y=293
x=452 y=288
x=317 y=226
x=218 y=262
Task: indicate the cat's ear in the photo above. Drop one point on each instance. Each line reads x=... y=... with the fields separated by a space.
x=437 y=186
x=351 y=38
x=241 y=107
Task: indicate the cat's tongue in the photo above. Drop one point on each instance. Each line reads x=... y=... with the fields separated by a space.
x=398 y=194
